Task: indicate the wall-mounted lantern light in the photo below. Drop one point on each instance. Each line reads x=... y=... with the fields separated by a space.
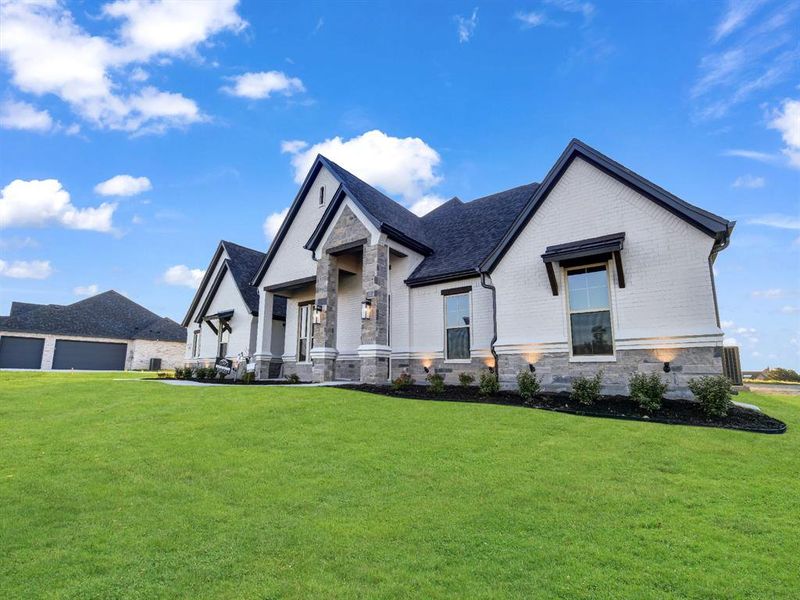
x=531 y=368
x=427 y=369
x=491 y=370
x=366 y=310
x=667 y=368
x=317 y=316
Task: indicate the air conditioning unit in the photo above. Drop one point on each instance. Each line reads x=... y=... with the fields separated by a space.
x=155 y=364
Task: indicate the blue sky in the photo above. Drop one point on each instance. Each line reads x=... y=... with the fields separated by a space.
x=212 y=110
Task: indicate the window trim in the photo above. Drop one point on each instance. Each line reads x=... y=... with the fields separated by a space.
x=587 y=358
x=300 y=306
x=447 y=295
x=196 y=343
x=220 y=343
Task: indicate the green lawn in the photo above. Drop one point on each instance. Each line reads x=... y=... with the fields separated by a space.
x=113 y=488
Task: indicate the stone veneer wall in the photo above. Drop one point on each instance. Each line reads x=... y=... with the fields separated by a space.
x=450 y=371
x=556 y=372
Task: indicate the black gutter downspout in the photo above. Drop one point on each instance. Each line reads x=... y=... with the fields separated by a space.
x=491 y=287
x=716 y=249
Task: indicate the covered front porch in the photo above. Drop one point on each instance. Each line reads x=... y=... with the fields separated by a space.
x=338 y=320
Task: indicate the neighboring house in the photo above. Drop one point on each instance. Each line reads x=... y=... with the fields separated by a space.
x=594 y=269
x=105 y=332
x=223 y=318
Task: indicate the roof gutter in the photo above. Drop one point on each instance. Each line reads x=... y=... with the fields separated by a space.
x=491 y=287
x=718 y=247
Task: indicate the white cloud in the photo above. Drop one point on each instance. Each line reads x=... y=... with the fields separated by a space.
x=183 y=275
x=786 y=119
x=273 y=223
x=24 y=116
x=735 y=16
x=587 y=9
x=18 y=243
x=151 y=27
x=123 y=185
x=779 y=221
x=403 y=166
x=263 y=84
x=790 y=310
x=47 y=52
x=86 y=290
x=26 y=269
x=764 y=157
x=37 y=203
x=292 y=146
x=743 y=330
x=770 y=293
x=426 y=204
x=726 y=324
x=749 y=182
x=729 y=341
x=531 y=19
x=466 y=26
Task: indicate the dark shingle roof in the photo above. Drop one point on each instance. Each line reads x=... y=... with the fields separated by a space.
x=464 y=233
x=243 y=264
x=17 y=308
x=106 y=315
x=380 y=206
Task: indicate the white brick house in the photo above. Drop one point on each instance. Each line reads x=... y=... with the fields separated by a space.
x=594 y=268
x=222 y=320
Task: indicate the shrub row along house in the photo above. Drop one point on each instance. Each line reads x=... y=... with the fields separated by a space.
x=105 y=332
x=595 y=268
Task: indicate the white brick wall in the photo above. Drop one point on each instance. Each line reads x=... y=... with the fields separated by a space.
x=292 y=261
x=668 y=292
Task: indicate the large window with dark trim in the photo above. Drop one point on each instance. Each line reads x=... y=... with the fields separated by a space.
x=305 y=332
x=457 y=326
x=224 y=338
x=589 y=311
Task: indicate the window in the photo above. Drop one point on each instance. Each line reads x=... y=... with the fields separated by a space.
x=224 y=337
x=322 y=195
x=589 y=311
x=196 y=344
x=305 y=332
x=456 y=326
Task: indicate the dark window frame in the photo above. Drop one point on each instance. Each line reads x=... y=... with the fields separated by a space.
x=446 y=297
x=590 y=357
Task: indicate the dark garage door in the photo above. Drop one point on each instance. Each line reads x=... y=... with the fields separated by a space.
x=21 y=352
x=94 y=356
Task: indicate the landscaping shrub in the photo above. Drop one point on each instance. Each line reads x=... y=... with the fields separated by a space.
x=178 y=373
x=586 y=390
x=647 y=390
x=528 y=385
x=203 y=373
x=488 y=385
x=248 y=377
x=293 y=378
x=435 y=383
x=402 y=381
x=466 y=379
x=713 y=393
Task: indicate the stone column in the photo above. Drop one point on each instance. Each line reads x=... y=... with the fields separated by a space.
x=262 y=353
x=374 y=350
x=324 y=352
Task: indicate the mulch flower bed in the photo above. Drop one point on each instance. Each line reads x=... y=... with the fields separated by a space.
x=674 y=412
x=231 y=381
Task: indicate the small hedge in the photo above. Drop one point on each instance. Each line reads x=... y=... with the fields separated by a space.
x=528 y=385
x=466 y=379
x=647 y=390
x=402 y=382
x=713 y=393
x=489 y=385
x=293 y=378
x=586 y=390
x=435 y=383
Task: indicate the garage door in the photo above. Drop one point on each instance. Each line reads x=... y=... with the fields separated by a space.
x=21 y=352
x=93 y=356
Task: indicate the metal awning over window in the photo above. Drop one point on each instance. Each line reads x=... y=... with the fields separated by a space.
x=223 y=318
x=575 y=254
